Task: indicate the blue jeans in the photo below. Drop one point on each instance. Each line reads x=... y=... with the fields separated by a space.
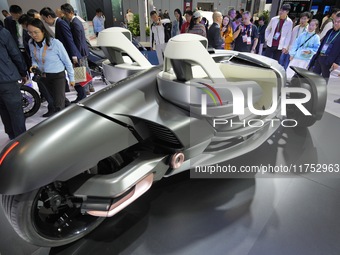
x=11 y=112
x=284 y=60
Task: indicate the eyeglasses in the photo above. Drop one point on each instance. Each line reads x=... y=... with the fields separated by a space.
x=34 y=33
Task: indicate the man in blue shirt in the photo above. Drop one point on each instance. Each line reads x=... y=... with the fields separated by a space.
x=98 y=21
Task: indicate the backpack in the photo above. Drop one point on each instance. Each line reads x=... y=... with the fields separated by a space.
x=167 y=31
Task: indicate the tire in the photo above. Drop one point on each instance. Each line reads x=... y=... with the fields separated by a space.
x=39 y=219
x=293 y=112
x=30 y=101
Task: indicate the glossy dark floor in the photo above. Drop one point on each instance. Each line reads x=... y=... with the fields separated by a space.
x=262 y=215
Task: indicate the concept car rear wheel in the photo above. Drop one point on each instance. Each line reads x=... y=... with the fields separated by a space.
x=293 y=112
x=49 y=216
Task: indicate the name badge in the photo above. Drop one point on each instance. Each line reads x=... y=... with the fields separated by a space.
x=324 y=48
x=244 y=38
x=248 y=40
x=277 y=35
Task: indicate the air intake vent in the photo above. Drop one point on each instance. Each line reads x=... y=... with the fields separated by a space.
x=163 y=135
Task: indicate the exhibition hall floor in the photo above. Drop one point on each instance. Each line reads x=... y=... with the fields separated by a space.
x=266 y=214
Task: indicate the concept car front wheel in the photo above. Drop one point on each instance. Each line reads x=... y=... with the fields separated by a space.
x=49 y=216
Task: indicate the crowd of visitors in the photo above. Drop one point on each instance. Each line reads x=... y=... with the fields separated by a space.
x=312 y=43
x=54 y=41
x=46 y=43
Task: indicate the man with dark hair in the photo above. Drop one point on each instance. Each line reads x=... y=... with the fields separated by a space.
x=13 y=68
x=33 y=13
x=98 y=21
x=62 y=33
x=296 y=32
x=278 y=33
x=79 y=39
x=23 y=20
x=262 y=30
x=327 y=57
x=19 y=34
x=328 y=24
x=160 y=33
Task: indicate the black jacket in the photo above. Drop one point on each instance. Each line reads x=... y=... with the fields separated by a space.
x=79 y=38
x=10 y=25
x=63 y=33
x=214 y=37
x=12 y=64
x=333 y=52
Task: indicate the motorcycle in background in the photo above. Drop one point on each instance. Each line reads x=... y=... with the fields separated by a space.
x=30 y=100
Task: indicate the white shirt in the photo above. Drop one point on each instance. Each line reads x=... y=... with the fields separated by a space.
x=158 y=33
x=328 y=27
x=286 y=32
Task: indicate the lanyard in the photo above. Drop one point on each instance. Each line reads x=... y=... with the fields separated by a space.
x=245 y=32
x=43 y=55
x=298 y=33
x=278 y=28
x=327 y=41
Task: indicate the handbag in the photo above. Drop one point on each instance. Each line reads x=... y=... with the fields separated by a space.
x=79 y=74
x=88 y=79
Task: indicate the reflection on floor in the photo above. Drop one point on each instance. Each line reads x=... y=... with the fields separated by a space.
x=266 y=214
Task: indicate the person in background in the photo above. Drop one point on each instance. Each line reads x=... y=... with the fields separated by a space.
x=196 y=27
x=278 y=33
x=79 y=39
x=262 y=31
x=227 y=33
x=237 y=21
x=325 y=18
x=215 y=39
x=64 y=35
x=49 y=55
x=246 y=35
x=61 y=15
x=177 y=23
x=297 y=31
x=328 y=24
x=327 y=57
x=98 y=21
x=5 y=13
x=166 y=15
x=188 y=15
x=232 y=15
x=205 y=22
x=19 y=34
x=160 y=14
x=129 y=16
x=44 y=94
x=7 y=16
x=304 y=48
x=12 y=69
x=159 y=36
x=33 y=14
